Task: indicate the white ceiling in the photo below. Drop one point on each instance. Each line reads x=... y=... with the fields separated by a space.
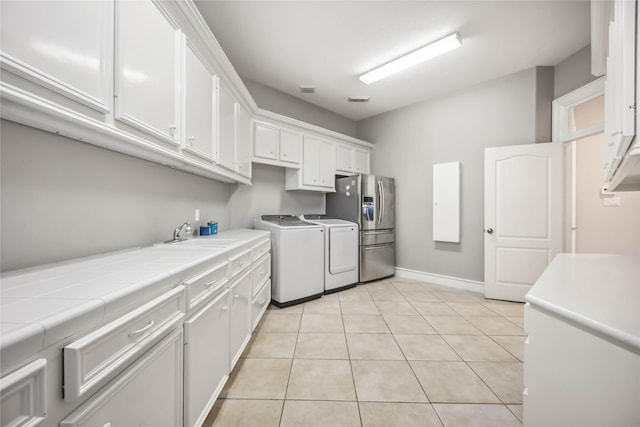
x=328 y=44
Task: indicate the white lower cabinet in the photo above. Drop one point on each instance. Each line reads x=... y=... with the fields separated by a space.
x=148 y=393
x=206 y=358
x=260 y=303
x=240 y=328
x=23 y=395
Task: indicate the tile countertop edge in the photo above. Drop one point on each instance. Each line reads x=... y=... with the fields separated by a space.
x=571 y=286
x=22 y=339
x=612 y=334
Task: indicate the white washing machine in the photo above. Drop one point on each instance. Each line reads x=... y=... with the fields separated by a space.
x=297 y=258
x=340 y=252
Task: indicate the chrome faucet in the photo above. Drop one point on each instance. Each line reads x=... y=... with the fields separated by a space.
x=176 y=232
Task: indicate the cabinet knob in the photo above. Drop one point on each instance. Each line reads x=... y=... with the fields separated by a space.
x=236 y=296
x=489 y=230
x=225 y=308
x=172 y=130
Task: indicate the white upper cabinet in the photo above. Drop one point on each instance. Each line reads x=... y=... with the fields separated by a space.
x=243 y=141
x=276 y=146
x=351 y=160
x=344 y=161
x=361 y=161
x=620 y=89
x=318 y=167
x=65 y=47
x=226 y=131
x=147 y=69
x=266 y=140
x=234 y=134
x=290 y=146
x=147 y=78
x=201 y=100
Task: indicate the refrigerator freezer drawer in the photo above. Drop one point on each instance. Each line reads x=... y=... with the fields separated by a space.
x=377 y=237
x=377 y=261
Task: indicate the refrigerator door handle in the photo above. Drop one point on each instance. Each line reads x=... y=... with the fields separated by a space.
x=368 y=233
x=374 y=247
x=381 y=201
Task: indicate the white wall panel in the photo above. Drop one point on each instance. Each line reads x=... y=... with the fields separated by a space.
x=446 y=202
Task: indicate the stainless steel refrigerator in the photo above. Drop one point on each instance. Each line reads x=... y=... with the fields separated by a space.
x=368 y=200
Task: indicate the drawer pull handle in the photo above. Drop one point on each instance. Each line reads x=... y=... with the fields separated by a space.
x=262 y=301
x=211 y=283
x=225 y=308
x=141 y=330
x=107 y=425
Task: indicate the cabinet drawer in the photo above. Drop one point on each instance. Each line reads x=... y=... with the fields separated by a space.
x=239 y=262
x=200 y=287
x=260 y=249
x=261 y=271
x=260 y=303
x=90 y=362
x=23 y=395
x=149 y=393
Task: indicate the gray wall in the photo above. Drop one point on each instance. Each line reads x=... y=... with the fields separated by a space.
x=267 y=196
x=573 y=72
x=290 y=106
x=64 y=199
x=454 y=128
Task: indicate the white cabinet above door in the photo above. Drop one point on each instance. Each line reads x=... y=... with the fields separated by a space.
x=201 y=100
x=65 y=47
x=147 y=69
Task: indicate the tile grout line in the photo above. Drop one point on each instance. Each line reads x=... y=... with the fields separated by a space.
x=353 y=379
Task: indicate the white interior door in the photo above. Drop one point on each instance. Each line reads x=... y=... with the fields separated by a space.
x=523 y=216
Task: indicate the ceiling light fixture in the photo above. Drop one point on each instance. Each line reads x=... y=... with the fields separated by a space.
x=409 y=60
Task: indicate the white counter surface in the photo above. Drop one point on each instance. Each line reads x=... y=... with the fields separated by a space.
x=43 y=305
x=598 y=292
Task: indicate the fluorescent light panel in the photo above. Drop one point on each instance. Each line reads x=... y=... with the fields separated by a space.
x=409 y=60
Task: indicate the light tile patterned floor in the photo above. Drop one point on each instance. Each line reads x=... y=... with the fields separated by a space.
x=395 y=352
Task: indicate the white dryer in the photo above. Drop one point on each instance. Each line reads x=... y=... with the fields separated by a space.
x=297 y=258
x=341 y=252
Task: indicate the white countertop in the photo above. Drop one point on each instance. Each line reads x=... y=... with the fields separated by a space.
x=41 y=306
x=599 y=292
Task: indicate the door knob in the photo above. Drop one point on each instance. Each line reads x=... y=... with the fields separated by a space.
x=490 y=230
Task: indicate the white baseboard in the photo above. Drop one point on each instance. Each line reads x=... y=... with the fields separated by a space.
x=438 y=279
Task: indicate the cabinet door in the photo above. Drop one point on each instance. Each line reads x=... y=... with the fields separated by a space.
x=206 y=351
x=360 y=161
x=226 y=135
x=200 y=101
x=148 y=393
x=243 y=141
x=327 y=165
x=344 y=159
x=64 y=46
x=310 y=161
x=147 y=58
x=290 y=146
x=240 y=326
x=265 y=140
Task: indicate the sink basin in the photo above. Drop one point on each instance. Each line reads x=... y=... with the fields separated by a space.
x=203 y=242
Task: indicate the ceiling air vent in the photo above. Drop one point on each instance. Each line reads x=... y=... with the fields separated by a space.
x=307 y=89
x=359 y=98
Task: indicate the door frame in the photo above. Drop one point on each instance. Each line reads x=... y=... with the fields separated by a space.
x=560 y=134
